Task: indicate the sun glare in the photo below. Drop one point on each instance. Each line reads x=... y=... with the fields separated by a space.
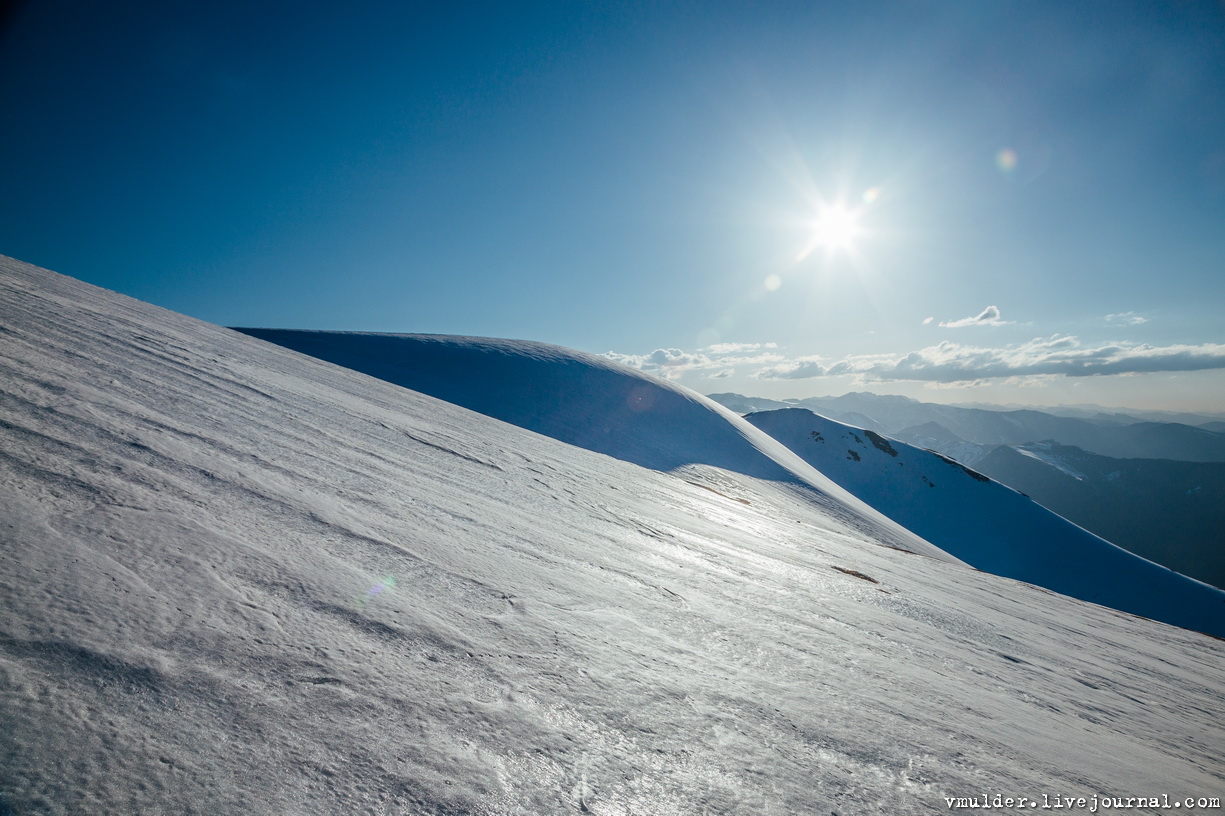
x=836 y=228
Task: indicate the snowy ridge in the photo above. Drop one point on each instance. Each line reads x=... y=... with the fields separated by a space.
x=236 y=580
x=589 y=401
x=993 y=527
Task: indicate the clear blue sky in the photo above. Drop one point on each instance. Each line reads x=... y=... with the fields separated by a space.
x=1046 y=180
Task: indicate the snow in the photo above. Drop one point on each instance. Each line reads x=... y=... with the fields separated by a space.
x=588 y=401
x=1043 y=453
x=990 y=526
x=236 y=580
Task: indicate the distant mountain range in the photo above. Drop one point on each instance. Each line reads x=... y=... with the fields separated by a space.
x=1167 y=511
x=962 y=511
x=1154 y=488
x=1118 y=435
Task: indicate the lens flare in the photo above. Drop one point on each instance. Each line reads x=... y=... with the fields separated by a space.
x=388 y=583
x=641 y=399
x=1006 y=160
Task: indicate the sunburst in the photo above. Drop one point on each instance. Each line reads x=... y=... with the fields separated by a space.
x=836 y=229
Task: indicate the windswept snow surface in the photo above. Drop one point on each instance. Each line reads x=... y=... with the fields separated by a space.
x=591 y=402
x=235 y=580
x=990 y=526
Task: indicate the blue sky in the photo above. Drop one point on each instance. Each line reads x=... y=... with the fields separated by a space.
x=1038 y=188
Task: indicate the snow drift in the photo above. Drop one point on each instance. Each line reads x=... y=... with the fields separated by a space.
x=237 y=580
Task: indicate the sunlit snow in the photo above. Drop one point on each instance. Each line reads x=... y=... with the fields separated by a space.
x=237 y=580
x=990 y=526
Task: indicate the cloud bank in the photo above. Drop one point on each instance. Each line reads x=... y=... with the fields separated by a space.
x=1053 y=356
x=797 y=370
x=946 y=362
x=719 y=360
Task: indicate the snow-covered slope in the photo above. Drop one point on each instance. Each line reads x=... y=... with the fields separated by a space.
x=990 y=526
x=1167 y=511
x=591 y=402
x=235 y=580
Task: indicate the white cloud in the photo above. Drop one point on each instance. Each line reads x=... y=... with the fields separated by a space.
x=927 y=320
x=798 y=370
x=668 y=363
x=733 y=348
x=1057 y=355
x=947 y=362
x=1126 y=319
x=674 y=357
x=674 y=363
x=989 y=316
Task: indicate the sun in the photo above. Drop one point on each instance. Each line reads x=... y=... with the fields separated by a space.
x=836 y=228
